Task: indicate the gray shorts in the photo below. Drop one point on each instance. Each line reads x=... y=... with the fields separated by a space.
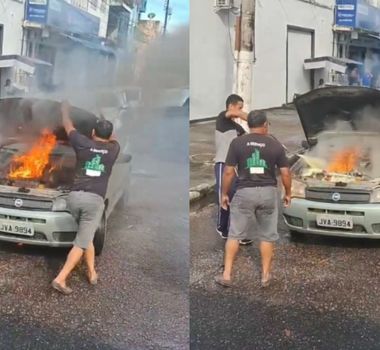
x=254 y=214
x=87 y=209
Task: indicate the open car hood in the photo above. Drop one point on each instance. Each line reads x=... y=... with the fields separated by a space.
x=319 y=109
x=41 y=113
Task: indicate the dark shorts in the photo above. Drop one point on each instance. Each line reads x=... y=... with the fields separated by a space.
x=254 y=214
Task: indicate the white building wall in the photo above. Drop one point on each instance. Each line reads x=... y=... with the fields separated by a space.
x=272 y=19
x=100 y=9
x=211 y=59
x=12 y=19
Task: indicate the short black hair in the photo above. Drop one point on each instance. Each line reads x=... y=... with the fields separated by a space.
x=103 y=129
x=233 y=100
x=256 y=119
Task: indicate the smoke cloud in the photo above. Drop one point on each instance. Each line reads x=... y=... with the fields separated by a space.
x=361 y=135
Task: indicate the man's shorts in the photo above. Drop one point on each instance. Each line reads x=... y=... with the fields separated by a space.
x=87 y=209
x=254 y=214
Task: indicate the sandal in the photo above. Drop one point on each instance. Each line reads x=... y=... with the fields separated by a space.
x=265 y=282
x=93 y=281
x=223 y=282
x=61 y=289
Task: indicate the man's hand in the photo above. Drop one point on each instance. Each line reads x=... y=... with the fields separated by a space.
x=236 y=113
x=66 y=120
x=287 y=200
x=225 y=202
x=65 y=108
x=287 y=183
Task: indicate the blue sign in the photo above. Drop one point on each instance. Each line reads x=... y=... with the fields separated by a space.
x=357 y=14
x=368 y=17
x=345 y=14
x=61 y=15
x=36 y=11
x=69 y=18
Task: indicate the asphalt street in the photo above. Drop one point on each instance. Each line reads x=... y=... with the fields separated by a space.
x=141 y=301
x=325 y=293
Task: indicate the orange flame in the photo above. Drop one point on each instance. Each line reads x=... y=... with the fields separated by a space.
x=32 y=164
x=345 y=161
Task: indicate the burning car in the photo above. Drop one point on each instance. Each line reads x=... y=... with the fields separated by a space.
x=37 y=168
x=336 y=180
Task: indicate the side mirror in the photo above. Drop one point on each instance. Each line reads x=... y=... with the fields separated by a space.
x=305 y=144
x=124 y=158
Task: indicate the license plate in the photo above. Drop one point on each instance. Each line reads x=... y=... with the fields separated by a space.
x=335 y=221
x=16 y=228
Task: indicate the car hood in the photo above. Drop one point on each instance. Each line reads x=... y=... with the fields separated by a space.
x=44 y=113
x=319 y=109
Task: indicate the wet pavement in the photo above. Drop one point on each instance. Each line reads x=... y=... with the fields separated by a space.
x=141 y=301
x=324 y=294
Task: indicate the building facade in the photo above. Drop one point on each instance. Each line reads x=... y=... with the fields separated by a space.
x=286 y=33
x=357 y=35
x=11 y=27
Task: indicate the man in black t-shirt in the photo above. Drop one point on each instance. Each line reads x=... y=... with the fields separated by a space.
x=95 y=159
x=256 y=155
x=226 y=130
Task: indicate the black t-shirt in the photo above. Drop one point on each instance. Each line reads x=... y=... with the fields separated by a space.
x=95 y=160
x=224 y=124
x=256 y=157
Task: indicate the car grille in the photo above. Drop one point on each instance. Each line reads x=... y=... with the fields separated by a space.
x=29 y=203
x=346 y=195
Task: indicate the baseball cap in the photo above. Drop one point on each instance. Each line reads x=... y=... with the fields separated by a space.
x=256 y=119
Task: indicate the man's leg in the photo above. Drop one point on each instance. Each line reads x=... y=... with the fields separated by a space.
x=72 y=260
x=266 y=251
x=231 y=250
x=89 y=256
x=223 y=214
x=267 y=219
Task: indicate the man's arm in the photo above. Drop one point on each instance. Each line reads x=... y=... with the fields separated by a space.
x=236 y=114
x=66 y=120
x=228 y=176
x=286 y=179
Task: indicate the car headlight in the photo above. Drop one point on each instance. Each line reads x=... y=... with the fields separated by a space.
x=298 y=189
x=375 y=196
x=59 y=204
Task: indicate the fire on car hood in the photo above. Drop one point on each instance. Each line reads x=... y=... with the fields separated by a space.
x=320 y=108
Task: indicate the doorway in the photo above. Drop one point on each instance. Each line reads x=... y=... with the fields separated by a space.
x=299 y=46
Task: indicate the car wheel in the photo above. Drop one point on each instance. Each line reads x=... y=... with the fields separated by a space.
x=100 y=235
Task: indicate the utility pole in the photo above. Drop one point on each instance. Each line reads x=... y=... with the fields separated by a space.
x=245 y=33
x=167 y=10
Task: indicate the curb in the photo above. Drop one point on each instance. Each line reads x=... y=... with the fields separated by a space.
x=198 y=192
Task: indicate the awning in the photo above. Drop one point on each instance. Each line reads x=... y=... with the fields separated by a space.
x=27 y=64
x=330 y=63
x=92 y=45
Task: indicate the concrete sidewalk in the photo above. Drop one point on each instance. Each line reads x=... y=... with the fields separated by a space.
x=285 y=126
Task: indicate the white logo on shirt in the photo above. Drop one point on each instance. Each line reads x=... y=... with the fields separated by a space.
x=102 y=151
x=253 y=143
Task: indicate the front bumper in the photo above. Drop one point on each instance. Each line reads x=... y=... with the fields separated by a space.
x=52 y=229
x=301 y=217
